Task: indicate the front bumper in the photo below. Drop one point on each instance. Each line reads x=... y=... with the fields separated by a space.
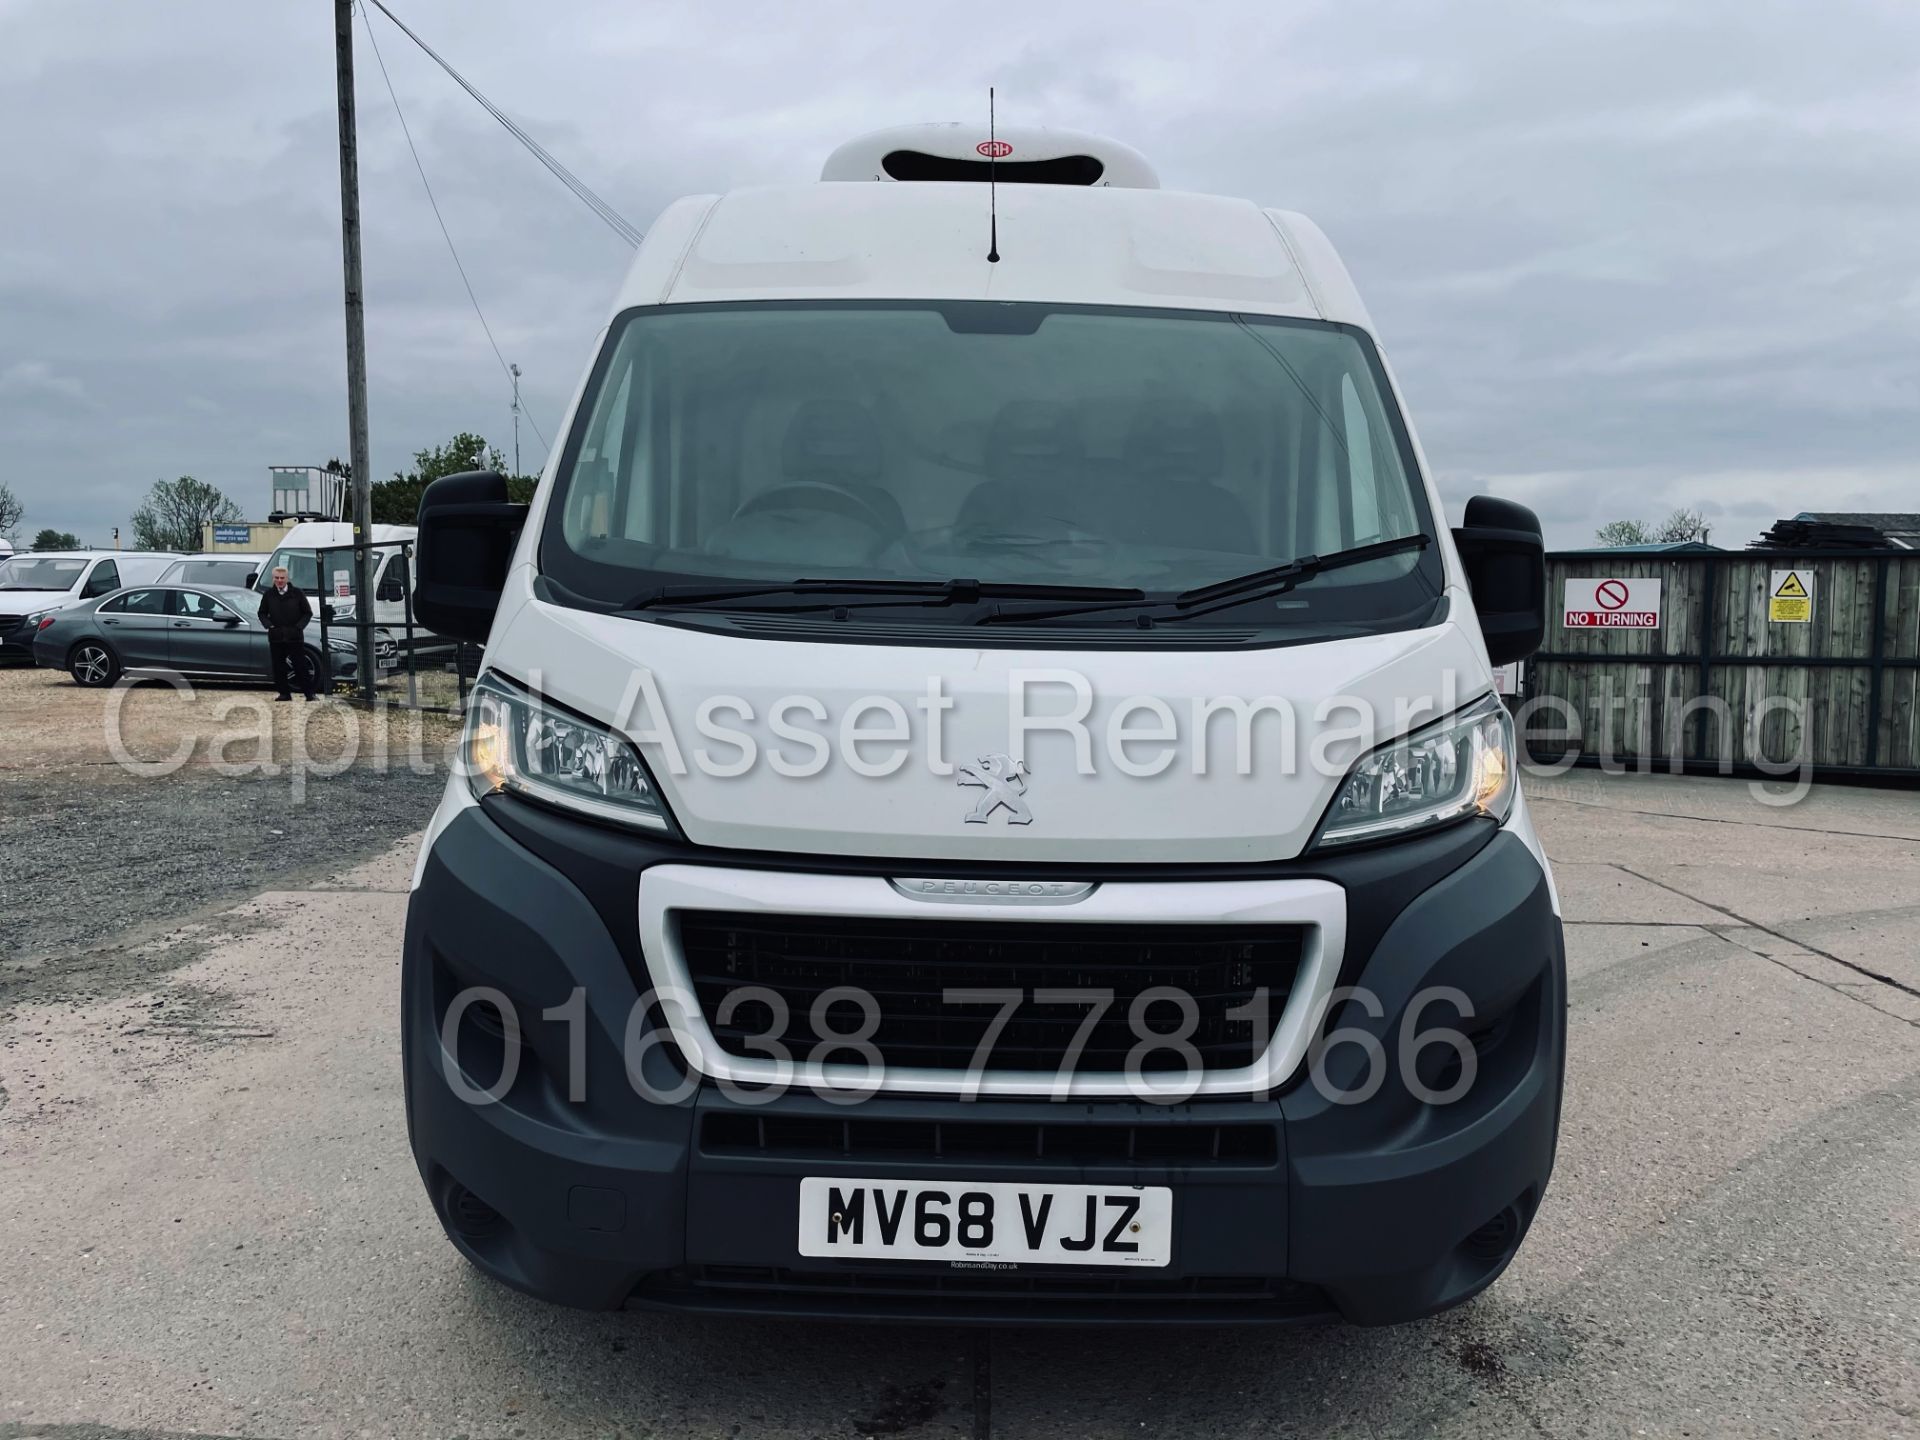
x=16 y=641
x=49 y=648
x=1286 y=1208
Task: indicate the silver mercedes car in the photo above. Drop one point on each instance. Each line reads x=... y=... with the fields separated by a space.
x=206 y=632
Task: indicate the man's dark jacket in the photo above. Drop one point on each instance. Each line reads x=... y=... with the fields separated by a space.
x=285 y=616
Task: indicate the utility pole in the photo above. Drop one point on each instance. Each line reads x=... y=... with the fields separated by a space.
x=516 y=417
x=356 y=352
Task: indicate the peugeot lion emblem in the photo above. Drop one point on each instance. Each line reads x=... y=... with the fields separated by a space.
x=1004 y=780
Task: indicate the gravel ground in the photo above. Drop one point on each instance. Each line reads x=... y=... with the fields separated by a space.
x=98 y=861
x=95 y=864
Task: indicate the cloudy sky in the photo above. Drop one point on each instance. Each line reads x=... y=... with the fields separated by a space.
x=1625 y=256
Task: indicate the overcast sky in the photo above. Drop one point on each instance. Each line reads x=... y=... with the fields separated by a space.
x=1624 y=256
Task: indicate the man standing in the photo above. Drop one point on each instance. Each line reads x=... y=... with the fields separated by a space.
x=285 y=611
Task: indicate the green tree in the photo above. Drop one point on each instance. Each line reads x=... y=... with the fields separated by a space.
x=1622 y=532
x=1682 y=524
x=57 y=540
x=397 y=501
x=11 y=510
x=176 y=511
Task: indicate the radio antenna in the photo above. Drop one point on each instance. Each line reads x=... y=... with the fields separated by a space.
x=993 y=189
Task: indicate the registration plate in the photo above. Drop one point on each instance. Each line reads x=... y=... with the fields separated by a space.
x=986 y=1222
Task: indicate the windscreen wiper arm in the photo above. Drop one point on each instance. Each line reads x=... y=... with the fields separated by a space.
x=928 y=592
x=1294 y=571
x=1255 y=585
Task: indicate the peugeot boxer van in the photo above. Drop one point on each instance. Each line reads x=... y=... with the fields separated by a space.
x=985 y=800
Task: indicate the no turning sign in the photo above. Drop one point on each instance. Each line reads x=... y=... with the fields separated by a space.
x=1611 y=604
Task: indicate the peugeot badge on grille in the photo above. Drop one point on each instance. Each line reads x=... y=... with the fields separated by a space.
x=995 y=892
x=1004 y=780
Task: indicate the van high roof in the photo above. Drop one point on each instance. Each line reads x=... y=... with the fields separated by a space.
x=1116 y=241
x=96 y=554
x=320 y=534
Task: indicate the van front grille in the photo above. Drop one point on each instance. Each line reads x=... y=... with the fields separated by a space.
x=1171 y=1141
x=1231 y=982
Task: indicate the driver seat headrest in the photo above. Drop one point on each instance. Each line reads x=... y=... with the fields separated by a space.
x=1175 y=440
x=1035 y=441
x=831 y=441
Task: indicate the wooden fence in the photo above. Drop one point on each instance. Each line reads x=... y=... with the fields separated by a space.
x=1719 y=684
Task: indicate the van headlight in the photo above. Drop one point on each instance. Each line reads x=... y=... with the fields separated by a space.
x=1462 y=765
x=517 y=743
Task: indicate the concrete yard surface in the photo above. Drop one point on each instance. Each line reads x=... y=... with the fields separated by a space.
x=210 y=1223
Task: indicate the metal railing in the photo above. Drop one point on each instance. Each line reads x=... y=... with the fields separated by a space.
x=416 y=645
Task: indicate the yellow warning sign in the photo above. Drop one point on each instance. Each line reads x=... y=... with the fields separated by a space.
x=1790 y=597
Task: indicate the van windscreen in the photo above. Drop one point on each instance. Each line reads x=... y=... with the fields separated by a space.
x=302 y=567
x=1023 y=444
x=27 y=572
x=211 y=572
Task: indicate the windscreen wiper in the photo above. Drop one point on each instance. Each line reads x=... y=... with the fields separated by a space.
x=1294 y=571
x=1239 y=590
x=881 y=592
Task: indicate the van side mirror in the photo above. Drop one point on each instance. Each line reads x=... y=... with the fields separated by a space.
x=253 y=578
x=1506 y=564
x=468 y=529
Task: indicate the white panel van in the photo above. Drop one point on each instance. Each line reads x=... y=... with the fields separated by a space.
x=986 y=799
x=37 y=583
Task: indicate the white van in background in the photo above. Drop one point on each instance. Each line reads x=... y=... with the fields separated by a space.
x=986 y=794
x=325 y=572
x=35 y=583
x=220 y=567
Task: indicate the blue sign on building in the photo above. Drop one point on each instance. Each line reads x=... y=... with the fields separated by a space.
x=231 y=534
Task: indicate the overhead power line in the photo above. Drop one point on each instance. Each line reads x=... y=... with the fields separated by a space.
x=611 y=217
x=445 y=234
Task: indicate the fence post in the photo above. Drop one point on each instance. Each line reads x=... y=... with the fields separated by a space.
x=406 y=611
x=321 y=609
x=1878 y=663
x=1703 y=683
